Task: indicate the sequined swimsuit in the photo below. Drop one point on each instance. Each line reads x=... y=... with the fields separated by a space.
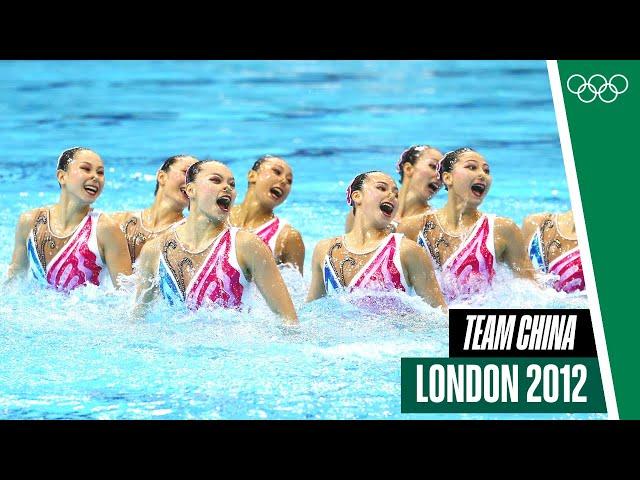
x=381 y=270
x=212 y=276
x=68 y=262
x=551 y=252
x=270 y=231
x=137 y=235
x=470 y=266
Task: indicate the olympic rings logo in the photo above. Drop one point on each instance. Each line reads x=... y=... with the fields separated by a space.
x=596 y=86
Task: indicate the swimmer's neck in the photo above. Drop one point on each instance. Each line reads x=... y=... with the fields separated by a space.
x=364 y=234
x=458 y=213
x=409 y=203
x=250 y=213
x=68 y=212
x=198 y=231
x=162 y=213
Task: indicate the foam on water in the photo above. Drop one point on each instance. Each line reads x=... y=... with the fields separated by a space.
x=82 y=356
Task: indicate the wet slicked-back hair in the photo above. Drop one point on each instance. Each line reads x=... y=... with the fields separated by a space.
x=194 y=169
x=65 y=157
x=447 y=162
x=411 y=155
x=166 y=165
x=355 y=185
x=261 y=160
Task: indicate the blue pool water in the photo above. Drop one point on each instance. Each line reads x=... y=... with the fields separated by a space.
x=78 y=356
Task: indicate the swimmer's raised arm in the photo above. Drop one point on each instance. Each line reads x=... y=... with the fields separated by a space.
x=19 y=260
x=146 y=273
x=317 y=289
x=420 y=274
x=258 y=264
x=113 y=248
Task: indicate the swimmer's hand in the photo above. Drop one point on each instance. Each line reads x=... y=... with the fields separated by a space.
x=290 y=329
x=138 y=313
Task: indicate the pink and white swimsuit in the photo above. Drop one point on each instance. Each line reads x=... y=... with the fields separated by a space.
x=471 y=267
x=382 y=272
x=269 y=231
x=217 y=280
x=77 y=262
x=568 y=267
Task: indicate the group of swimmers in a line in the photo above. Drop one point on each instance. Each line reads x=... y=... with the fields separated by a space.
x=394 y=240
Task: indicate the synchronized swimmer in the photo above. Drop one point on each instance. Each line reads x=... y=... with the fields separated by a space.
x=68 y=244
x=168 y=206
x=394 y=240
x=270 y=180
x=203 y=260
x=369 y=257
x=419 y=182
x=463 y=242
x=552 y=251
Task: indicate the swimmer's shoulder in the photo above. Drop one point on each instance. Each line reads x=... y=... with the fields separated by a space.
x=120 y=217
x=29 y=216
x=154 y=246
x=418 y=218
x=290 y=234
x=250 y=249
x=27 y=219
x=532 y=222
x=322 y=248
x=535 y=219
x=248 y=239
x=150 y=254
x=411 y=226
x=409 y=248
x=506 y=229
x=108 y=228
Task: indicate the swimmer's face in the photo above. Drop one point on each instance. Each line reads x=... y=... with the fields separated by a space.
x=172 y=182
x=213 y=191
x=84 y=177
x=423 y=175
x=272 y=182
x=378 y=199
x=470 y=178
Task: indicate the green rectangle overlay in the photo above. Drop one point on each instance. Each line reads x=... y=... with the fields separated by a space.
x=501 y=385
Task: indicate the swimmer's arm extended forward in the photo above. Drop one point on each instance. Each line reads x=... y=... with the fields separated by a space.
x=146 y=281
x=510 y=241
x=316 y=289
x=20 y=261
x=113 y=248
x=258 y=264
x=420 y=274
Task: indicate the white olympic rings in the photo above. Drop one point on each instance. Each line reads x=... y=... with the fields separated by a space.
x=596 y=90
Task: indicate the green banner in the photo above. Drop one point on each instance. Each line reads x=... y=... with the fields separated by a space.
x=501 y=385
x=602 y=100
